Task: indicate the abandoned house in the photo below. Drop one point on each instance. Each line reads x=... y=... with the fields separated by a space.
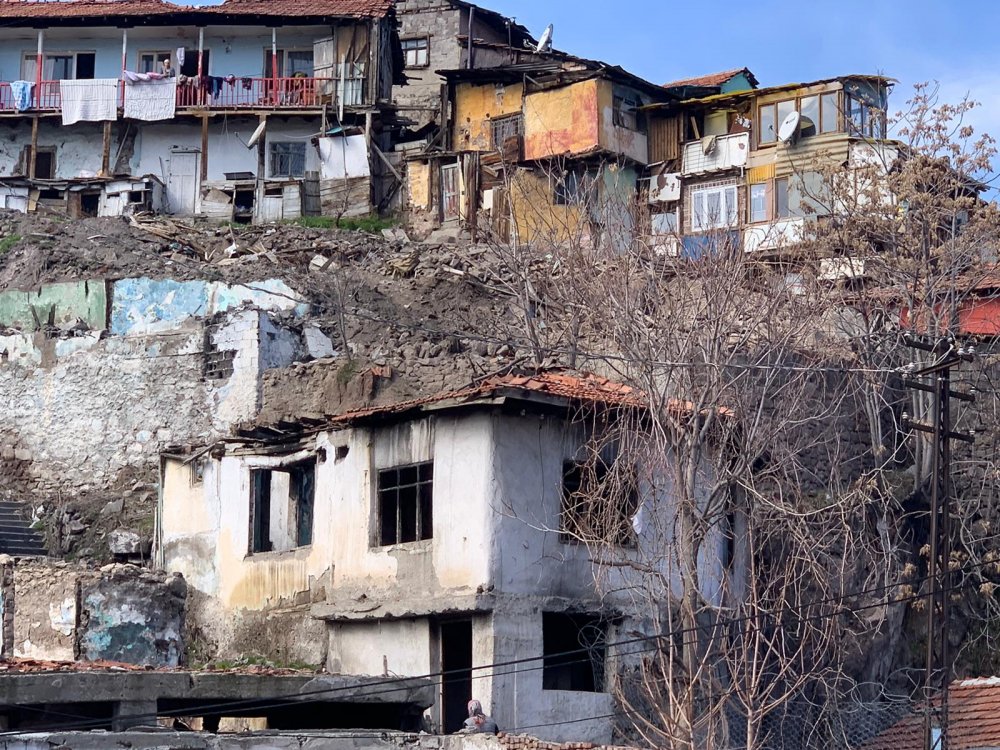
x=449 y=35
x=534 y=151
x=244 y=111
x=433 y=535
x=745 y=167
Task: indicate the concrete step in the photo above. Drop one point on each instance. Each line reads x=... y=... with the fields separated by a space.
x=16 y=535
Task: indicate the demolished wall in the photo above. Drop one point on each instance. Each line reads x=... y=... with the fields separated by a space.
x=58 y=611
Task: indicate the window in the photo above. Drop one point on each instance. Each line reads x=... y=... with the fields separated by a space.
x=291 y=62
x=598 y=502
x=282 y=502
x=781 y=198
x=569 y=189
x=713 y=208
x=505 y=128
x=405 y=504
x=829 y=113
x=573 y=650
x=809 y=110
x=863 y=118
x=152 y=62
x=625 y=112
x=60 y=66
x=758 y=202
x=416 y=52
x=288 y=159
x=768 y=127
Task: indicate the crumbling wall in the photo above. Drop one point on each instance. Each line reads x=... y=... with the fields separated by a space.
x=63 y=611
x=131 y=615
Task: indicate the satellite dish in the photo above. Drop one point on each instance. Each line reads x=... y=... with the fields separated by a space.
x=789 y=128
x=545 y=43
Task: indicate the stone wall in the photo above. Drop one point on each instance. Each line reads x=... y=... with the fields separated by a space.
x=62 y=611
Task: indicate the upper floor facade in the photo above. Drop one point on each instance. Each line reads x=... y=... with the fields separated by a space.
x=240 y=56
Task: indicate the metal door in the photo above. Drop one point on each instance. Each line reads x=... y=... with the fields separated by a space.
x=182 y=182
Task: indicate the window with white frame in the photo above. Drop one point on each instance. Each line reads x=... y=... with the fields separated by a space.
x=288 y=158
x=60 y=66
x=714 y=208
x=152 y=61
x=291 y=63
x=416 y=52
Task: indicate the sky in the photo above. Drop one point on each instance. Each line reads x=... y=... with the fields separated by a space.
x=953 y=42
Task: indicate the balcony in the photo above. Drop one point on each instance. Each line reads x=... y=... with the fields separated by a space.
x=716 y=153
x=777 y=235
x=247 y=93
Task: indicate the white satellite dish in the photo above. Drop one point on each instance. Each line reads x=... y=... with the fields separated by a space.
x=545 y=43
x=789 y=128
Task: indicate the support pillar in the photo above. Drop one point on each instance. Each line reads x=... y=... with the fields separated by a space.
x=39 y=64
x=204 y=148
x=128 y=714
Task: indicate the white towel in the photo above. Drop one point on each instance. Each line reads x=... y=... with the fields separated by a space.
x=90 y=100
x=151 y=100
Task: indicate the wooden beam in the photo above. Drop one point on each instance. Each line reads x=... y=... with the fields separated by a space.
x=106 y=150
x=204 y=148
x=32 y=157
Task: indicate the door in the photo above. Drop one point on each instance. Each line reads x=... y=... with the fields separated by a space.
x=449 y=192
x=456 y=666
x=182 y=182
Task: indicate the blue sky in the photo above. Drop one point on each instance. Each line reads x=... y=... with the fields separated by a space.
x=783 y=41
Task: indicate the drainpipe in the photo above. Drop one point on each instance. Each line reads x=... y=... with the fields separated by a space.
x=39 y=63
x=274 y=63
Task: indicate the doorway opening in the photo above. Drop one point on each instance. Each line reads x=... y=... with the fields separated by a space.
x=456 y=664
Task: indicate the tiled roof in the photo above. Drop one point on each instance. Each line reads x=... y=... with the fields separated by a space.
x=29 y=9
x=712 y=79
x=973 y=720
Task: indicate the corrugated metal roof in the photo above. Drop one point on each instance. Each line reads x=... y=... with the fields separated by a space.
x=99 y=9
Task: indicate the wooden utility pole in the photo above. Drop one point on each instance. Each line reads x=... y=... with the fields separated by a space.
x=938 y=665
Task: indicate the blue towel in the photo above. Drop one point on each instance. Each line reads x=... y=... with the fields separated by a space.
x=21 y=90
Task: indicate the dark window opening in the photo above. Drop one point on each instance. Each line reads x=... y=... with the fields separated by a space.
x=598 y=502
x=574 y=650
x=190 y=66
x=456 y=666
x=405 y=504
x=625 y=113
x=50 y=195
x=85 y=65
x=282 y=507
x=90 y=203
x=243 y=201
x=45 y=164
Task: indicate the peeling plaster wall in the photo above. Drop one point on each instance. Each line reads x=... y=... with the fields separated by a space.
x=45 y=611
x=562 y=122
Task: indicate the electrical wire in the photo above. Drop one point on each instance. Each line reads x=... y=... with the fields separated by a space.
x=399 y=683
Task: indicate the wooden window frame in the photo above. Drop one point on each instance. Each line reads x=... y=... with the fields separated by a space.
x=768 y=198
x=271 y=156
x=841 y=115
x=426 y=39
x=423 y=524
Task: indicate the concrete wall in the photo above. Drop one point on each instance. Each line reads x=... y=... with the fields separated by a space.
x=475 y=107
x=60 y=304
x=63 y=611
x=562 y=121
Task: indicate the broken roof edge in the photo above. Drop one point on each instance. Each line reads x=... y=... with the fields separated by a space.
x=736 y=96
x=714 y=80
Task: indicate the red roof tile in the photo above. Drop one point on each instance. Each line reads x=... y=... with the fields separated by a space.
x=712 y=79
x=97 y=9
x=973 y=720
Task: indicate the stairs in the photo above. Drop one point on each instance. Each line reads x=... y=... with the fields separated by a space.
x=17 y=538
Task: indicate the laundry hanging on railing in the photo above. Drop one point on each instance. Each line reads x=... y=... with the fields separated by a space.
x=89 y=100
x=21 y=91
x=151 y=100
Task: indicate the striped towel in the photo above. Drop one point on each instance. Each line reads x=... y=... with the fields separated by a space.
x=89 y=101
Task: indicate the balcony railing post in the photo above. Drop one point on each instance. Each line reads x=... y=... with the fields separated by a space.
x=39 y=64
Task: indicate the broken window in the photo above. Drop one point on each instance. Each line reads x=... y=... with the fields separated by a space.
x=282 y=500
x=505 y=128
x=416 y=52
x=625 y=112
x=405 y=504
x=574 y=650
x=599 y=499
x=864 y=119
x=819 y=113
x=809 y=112
x=288 y=158
x=714 y=208
x=781 y=209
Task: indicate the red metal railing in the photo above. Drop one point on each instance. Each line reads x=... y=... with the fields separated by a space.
x=214 y=93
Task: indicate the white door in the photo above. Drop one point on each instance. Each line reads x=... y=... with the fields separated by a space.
x=182 y=182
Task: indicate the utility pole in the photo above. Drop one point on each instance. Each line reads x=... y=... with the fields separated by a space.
x=938 y=667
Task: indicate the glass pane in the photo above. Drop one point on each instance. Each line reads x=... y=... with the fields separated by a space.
x=758 y=202
x=387 y=516
x=781 y=197
x=809 y=109
x=730 y=207
x=59 y=67
x=784 y=109
x=300 y=61
x=829 y=114
x=768 y=129
x=698 y=209
x=408 y=475
x=714 y=208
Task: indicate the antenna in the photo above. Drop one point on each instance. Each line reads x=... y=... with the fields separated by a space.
x=545 y=43
x=789 y=129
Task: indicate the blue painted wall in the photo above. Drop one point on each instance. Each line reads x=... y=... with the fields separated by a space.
x=232 y=50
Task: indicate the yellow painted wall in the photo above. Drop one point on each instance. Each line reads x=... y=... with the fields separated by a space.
x=475 y=107
x=418 y=180
x=562 y=121
x=612 y=138
x=538 y=219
